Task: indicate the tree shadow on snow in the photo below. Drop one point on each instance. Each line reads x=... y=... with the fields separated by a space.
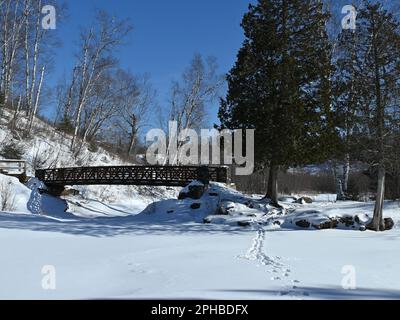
x=110 y=227
x=110 y=210
x=327 y=293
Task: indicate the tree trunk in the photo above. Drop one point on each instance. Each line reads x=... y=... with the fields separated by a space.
x=35 y=56
x=272 y=192
x=4 y=51
x=131 y=143
x=338 y=181
x=269 y=189
x=84 y=87
x=14 y=120
x=14 y=46
x=377 y=222
x=27 y=61
x=36 y=105
x=346 y=174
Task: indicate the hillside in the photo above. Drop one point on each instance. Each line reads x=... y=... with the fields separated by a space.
x=48 y=148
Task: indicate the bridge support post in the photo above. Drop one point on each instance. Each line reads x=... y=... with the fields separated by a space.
x=55 y=190
x=203 y=175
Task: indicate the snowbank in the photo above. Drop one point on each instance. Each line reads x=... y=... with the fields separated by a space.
x=14 y=196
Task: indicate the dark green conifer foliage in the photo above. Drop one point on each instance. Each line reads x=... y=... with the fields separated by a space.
x=281 y=85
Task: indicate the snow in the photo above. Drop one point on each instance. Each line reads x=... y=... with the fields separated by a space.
x=141 y=242
x=325 y=198
x=112 y=259
x=20 y=194
x=165 y=251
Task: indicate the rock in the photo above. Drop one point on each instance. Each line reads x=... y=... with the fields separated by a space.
x=308 y=200
x=348 y=221
x=303 y=224
x=249 y=204
x=207 y=220
x=330 y=224
x=225 y=208
x=362 y=218
x=389 y=223
x=213 y=194
x=304 y=200
x=221 y=212
x=251 y=215
x=312 y=212
x=195 y=206
x=195 y=191
x=182 y=195
x=23 y=178
x=363 y=228
x=69 y=192
x=288 y=199
x=299 y=201
x=243 y=223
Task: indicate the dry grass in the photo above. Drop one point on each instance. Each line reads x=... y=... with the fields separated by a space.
x=7 y=197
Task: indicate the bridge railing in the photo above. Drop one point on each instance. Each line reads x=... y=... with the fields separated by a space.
x=132 y=175
x=12 y=167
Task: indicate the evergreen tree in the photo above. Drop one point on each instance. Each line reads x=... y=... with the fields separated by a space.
x=348 y=95
x=370 y=80
x=66 y=124
x=280 y=85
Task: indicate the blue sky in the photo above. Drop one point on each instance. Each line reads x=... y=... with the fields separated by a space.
x=166 y=35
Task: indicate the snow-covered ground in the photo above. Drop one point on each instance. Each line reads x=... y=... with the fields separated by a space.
x=196 y=263
x=166 y=251
x=139 y=242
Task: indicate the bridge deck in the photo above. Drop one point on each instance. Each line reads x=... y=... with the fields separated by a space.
x=131 y=175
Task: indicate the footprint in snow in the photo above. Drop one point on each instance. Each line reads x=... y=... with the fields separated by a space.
x=256 y=253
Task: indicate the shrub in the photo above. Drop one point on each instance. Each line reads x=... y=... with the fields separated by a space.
x=11 y=150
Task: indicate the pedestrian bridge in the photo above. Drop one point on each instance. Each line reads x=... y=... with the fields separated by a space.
x=174 y=176
x=12 y=167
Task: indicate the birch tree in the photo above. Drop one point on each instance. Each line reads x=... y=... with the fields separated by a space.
x=199 y=85
x=135 y=106
x=95 y=57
